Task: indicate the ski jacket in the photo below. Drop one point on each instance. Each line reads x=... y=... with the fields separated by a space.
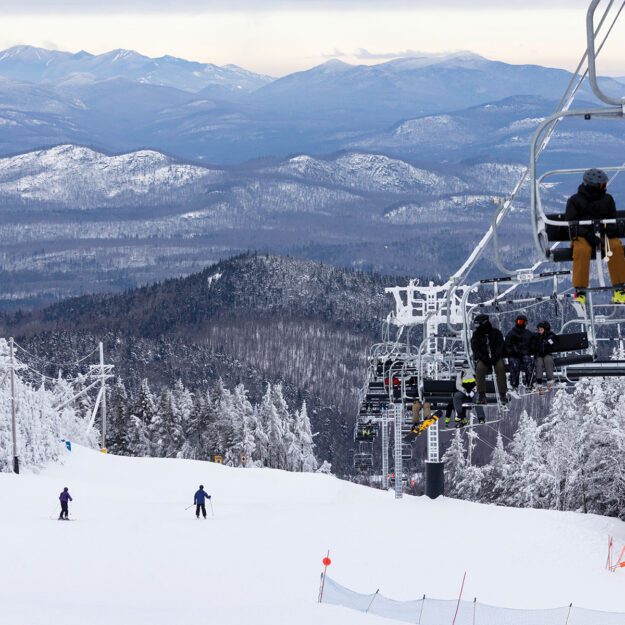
x=200 y=497
x=591 y=203
x=487 y=344
x=546 y=343
x=465 y=381
x=64 y=497
x=519 y=342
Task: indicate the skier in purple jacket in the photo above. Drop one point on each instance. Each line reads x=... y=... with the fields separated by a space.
x=65 y=498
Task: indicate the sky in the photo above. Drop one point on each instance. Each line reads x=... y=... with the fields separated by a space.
x=277 y=37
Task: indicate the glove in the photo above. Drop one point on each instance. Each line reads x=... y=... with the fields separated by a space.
x=209 y=497
x=593 y=240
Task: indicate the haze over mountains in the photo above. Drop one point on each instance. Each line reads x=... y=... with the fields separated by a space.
x=123 y=101
x=105 y=182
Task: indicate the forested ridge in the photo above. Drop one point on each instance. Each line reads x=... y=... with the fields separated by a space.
x=252 y=320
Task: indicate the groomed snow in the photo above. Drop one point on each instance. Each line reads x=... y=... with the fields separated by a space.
x=136 y=557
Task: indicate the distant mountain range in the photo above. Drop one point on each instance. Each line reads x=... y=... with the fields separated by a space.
x=37 y=65
x=73 y=220
x=124 y=101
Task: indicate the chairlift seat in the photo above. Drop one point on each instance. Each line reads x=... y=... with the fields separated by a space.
x=442 y=391
x=597 y=369
x=561 y=234
x=572 y=341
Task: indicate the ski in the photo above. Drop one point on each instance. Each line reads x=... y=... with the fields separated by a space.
x=468 y=425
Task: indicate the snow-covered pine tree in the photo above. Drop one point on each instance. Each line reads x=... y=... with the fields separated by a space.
x=117 y=418
x=495 y=475
x=560 y=438
x=263 y=413
x=42 y=425
x=137 y=438
x=183 y=399
x=602 y=446
x=246 y=417
x=526 y=466
x=304 y=438
x=455 y=464
x=279 y=430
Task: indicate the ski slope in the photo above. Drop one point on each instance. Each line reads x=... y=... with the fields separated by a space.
x=134 y=556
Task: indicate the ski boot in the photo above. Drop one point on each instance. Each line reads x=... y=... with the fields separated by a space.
x=460 y=422
x=618 y=297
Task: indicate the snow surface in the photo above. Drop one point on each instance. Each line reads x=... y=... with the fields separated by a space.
x=136 y=557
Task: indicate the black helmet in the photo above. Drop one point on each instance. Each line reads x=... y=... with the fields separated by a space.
x=480 y=320
x=65 y=489
x=595 y=178
x=544 y=325
x=522 y=318
x=201 y=486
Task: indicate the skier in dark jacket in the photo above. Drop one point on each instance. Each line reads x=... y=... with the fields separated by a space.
x=65 y=498
x=593 y=202
x=199 y=499
x=519 y=352
x=488 y=349
x=544 y=343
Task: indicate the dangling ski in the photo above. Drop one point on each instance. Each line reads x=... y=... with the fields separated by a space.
x=461 y=425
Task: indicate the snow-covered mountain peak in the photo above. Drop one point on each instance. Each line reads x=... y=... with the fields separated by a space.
x=64 y=173
x=331 y=66
x=367 y=172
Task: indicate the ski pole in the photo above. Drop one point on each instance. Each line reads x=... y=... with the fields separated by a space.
x=191 y=506
x=211 y=502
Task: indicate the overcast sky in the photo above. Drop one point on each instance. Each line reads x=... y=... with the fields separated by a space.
x=281 y=36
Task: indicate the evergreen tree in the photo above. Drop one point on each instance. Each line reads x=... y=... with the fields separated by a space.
x=117 y=418
x=526 y=461
x=305 y=440
x=495 y=475
x=455 y=464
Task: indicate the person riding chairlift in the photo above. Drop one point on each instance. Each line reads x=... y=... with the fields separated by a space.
x=593 y=202
x=518 y=350
x=487 y=345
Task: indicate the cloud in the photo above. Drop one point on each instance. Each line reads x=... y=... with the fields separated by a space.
x=182 y=6
x=365 y=55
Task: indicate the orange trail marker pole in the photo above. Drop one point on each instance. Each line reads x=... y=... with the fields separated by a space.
x=459 y=598
x=608 y=564
x=326 y=563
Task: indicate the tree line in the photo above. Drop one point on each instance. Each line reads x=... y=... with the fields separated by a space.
x=215 y=423
x=572 y=459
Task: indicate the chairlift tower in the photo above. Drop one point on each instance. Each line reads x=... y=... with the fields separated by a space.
x=430 y=307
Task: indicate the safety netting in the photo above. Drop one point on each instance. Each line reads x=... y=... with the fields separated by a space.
x=426 y=611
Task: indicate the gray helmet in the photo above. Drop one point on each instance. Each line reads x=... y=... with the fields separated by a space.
x=595 y=178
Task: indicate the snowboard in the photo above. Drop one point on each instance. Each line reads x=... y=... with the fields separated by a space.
x=422 y=427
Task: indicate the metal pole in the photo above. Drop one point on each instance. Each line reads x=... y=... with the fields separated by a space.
x=372 y=600
x=16 y=462
x=421 y=611
x=399 y=461
x=103 y=404
x=385 y=452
